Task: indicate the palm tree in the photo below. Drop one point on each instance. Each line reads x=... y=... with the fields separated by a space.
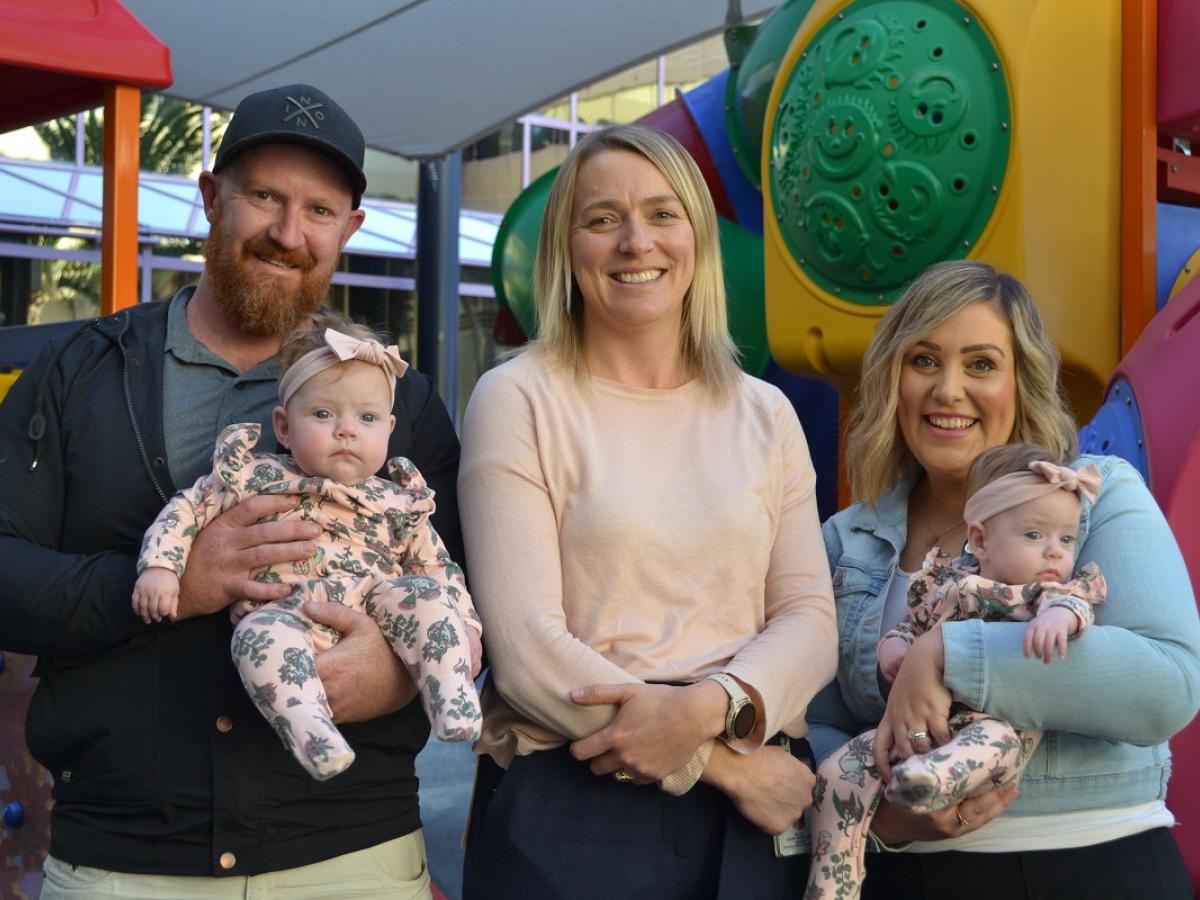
x=172 y=135
x=172 y=142
x=59 y=137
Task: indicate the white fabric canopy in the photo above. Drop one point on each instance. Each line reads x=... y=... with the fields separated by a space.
x=421 y=77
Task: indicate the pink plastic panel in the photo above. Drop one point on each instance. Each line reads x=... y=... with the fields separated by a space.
x=1178 y=86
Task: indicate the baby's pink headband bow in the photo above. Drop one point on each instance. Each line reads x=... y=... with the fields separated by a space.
x=342 y=348
x=1040 y=479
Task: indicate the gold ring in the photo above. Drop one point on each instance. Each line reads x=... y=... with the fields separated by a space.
x=961 y=821
x=622 y=776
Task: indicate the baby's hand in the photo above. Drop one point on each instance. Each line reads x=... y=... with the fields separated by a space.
x=891 y=653
x=156 y=595
x=1050 y=628
x=475 y=646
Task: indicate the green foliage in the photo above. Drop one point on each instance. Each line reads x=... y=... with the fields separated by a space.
x=172 y=136
x=59 y=137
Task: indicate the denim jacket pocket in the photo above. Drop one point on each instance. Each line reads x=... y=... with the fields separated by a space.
x=858 y=593
x=1070 y=772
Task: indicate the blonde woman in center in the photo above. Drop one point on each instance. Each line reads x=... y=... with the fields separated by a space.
x=645 y=553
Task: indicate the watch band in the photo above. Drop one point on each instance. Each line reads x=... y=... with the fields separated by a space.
x=739 y=700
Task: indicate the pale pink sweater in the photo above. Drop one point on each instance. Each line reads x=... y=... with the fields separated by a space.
x=620 y=534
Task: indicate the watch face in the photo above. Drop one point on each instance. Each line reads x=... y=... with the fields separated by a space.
x=743 y=721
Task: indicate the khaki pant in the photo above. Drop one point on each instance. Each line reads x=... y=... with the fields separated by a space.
x=395 y=870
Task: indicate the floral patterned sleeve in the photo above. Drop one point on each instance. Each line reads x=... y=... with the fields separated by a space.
x=1079 y=596
x=423 y=551
x=929 y=592
x=169 y=540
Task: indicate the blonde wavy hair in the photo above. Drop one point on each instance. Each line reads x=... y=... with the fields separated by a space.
x=881 y=458
x=704 y=340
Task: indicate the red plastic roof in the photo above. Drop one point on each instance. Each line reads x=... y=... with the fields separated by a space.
x=56 y=56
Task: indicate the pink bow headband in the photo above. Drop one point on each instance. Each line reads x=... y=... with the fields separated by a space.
x=342 y=348
x=1039 y=480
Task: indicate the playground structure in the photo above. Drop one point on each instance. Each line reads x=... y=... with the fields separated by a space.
x=851 y=144
x=58 y=57
x=1036 y=134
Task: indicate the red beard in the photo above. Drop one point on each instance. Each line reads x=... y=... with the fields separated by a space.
x=253 y=300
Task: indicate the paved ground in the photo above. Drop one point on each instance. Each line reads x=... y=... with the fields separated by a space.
x=446 y=772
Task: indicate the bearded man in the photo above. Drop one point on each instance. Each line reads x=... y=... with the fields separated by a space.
x=167 y=782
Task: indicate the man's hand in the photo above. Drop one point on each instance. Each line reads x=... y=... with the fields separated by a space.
x=1049 y=629
x=363 y=678
x=474 y=650
x=770 y=787
x=156 y=595
x=236 y=543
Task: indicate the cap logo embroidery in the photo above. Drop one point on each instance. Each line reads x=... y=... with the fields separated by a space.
x=306 y=108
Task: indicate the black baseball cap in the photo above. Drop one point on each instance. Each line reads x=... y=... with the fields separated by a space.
x=297 y=114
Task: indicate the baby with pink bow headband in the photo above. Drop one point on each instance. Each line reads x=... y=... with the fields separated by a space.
x=1022 y=514
x=378 y=551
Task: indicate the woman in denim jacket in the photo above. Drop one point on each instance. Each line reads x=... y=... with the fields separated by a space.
x=960 y=363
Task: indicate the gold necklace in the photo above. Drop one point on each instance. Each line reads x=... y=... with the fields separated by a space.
x=933 y=538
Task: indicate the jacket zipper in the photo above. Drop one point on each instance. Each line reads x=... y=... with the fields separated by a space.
x=137 y=433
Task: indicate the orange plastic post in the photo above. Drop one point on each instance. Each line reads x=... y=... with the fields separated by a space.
x=119 y=239
x=1139 y=225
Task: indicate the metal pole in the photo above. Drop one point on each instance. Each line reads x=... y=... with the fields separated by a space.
x=147 y=273
x=206 y=139
x=80 y=138
x=526 y=135
x=439 y=197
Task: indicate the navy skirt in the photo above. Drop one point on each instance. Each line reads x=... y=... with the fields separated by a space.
x=547 y=828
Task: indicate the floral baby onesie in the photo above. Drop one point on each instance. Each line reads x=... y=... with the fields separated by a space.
x=378 y=552
x=985 y=752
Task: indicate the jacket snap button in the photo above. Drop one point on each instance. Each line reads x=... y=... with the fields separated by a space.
x=838 y=578
x=227 y=860
x=224 y=724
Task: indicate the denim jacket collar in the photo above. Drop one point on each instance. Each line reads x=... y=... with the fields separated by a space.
x=887 y=518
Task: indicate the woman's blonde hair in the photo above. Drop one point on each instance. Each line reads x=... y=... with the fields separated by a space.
x=311 y=335
x=881 y=458
x=704 y=339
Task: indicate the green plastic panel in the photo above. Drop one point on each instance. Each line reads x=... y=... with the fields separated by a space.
x=514 y=251
x=745 y=292
x=752 y=71
x=889 y=146
x=741 y=250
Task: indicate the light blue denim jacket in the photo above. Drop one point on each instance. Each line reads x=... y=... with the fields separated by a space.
x=1126 y=686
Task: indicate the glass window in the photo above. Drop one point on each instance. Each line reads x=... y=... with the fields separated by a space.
x=477 y=347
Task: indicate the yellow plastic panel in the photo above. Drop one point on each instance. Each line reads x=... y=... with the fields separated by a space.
x=1190 y=270
x=1056 y=222
x=7 y=379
